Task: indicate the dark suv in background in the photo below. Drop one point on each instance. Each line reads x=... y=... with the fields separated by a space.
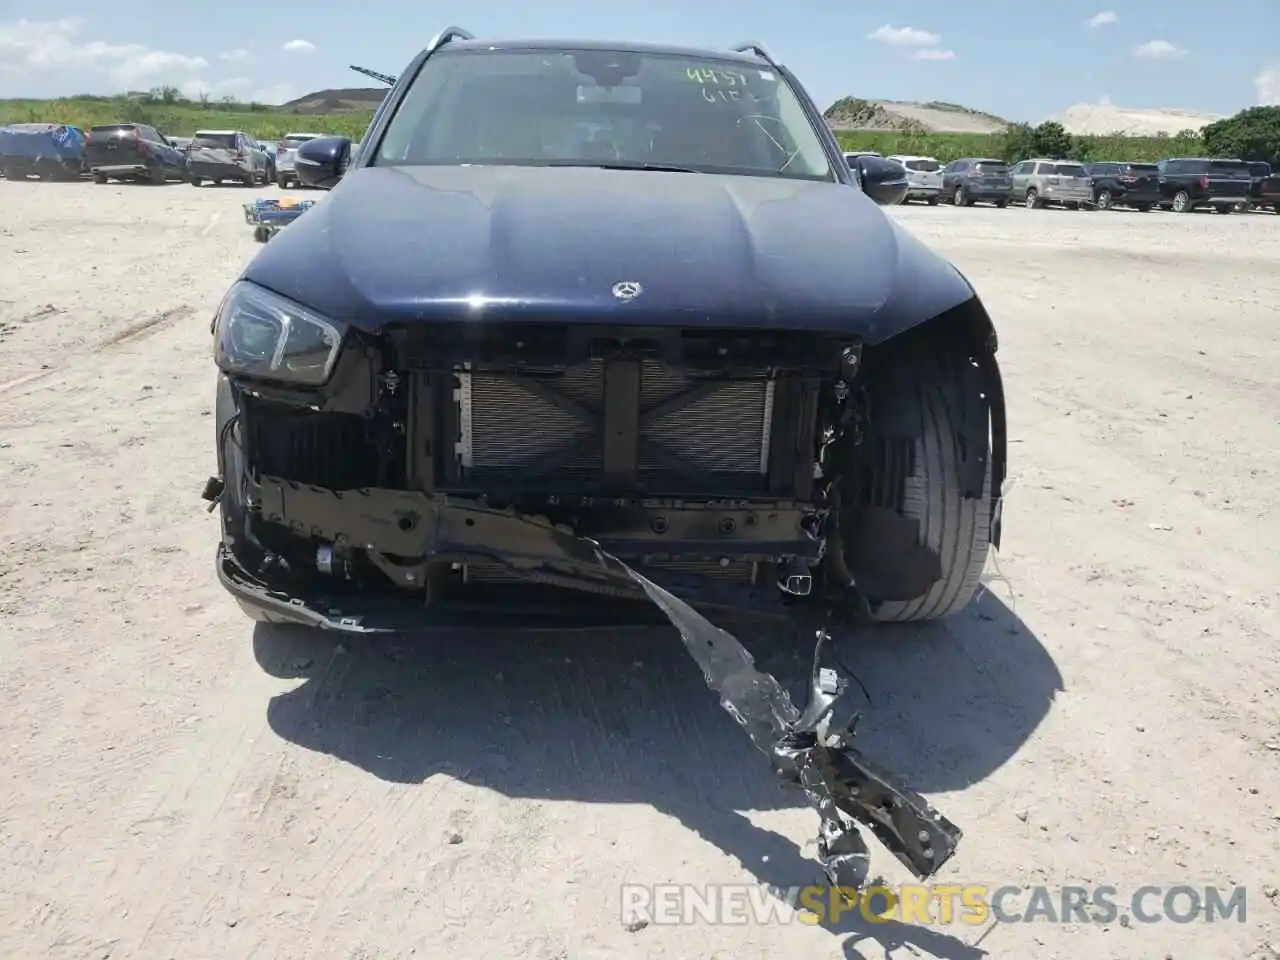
x=971 y=180
x=1118 y=184
x=1189 y=183
x=131 y=151
x=1264 y=187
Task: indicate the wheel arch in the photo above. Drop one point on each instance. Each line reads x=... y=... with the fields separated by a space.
x=966 y=327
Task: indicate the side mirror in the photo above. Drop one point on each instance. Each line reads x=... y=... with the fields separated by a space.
x=322 y=162
x=884 y=181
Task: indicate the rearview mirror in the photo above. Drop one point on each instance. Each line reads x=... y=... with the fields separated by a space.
x=322 y=162
x=884 y=181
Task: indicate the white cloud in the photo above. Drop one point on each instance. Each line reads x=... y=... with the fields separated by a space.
x=1102 y=19
x=52 y=50
x=934 y=55
x=1159 y=50
x=1267 y=83
x=299 y=46
x=234 y=56
x=903 y=36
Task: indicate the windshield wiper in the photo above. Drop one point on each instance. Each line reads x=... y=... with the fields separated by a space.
x=620 y=165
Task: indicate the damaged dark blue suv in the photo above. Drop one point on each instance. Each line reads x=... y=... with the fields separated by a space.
x=603 y=329
x=628 y=292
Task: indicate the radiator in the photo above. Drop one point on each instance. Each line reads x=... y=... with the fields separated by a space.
x=508 y=427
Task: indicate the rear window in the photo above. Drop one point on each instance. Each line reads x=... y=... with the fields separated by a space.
x=1142 y=168
x=114 y=130
x=1069 y=170
x=991 y=166
x=926 y=166
x=1229 y=168
x=217 y=141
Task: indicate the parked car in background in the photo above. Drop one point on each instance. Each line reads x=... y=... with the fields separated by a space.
x=135 y=152
x=220 y=155
x=1192 y=183
x=50 y=151
x=924 y=177
x=971 y=180
x=1117 y=184
x=286 y=155
x=1264 y=187
x=1039 y=182
x=854 y=154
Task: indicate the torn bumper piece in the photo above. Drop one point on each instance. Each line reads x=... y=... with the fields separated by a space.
x=806 y=748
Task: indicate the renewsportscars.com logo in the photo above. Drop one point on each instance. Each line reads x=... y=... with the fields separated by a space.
x=929 y=905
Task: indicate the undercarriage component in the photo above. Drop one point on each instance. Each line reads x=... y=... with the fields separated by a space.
x=805 y=748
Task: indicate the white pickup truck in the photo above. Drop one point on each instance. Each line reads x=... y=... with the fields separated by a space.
x=925 y=177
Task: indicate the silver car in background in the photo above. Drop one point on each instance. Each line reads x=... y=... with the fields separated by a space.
x=1038 y=183
x=286 y=155
x=924 y=174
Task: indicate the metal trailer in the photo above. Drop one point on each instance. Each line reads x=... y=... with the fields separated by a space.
x=268 y=217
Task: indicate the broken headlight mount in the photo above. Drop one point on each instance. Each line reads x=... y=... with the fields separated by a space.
x=806 y=748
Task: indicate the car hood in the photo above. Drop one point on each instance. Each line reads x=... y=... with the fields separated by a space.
x=421 y=244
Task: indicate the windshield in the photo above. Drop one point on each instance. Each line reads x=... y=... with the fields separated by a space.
x=114 y=130
x=991 y=166
x=925 y=166
x=602 y=107
x=1259 y=169
x=1069 y=170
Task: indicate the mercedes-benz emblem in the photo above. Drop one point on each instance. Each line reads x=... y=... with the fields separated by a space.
x=627 y=290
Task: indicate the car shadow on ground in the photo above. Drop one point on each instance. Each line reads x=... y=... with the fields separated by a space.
x=625 y=717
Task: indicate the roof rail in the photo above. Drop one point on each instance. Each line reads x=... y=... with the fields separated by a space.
x=760 y=50
x=389 y=80
x=446 y=35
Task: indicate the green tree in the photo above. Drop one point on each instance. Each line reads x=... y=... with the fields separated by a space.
x=1018 y=142
x=1052 y=140
x=1252 y=134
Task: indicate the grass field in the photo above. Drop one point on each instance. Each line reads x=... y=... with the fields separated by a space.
x=949 y=146
x=182 y=118
x=179 y=118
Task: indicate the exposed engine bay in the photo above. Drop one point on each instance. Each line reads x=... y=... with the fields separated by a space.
x=674 y=469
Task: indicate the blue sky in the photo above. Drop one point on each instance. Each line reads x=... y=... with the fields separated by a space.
x=1022 y=60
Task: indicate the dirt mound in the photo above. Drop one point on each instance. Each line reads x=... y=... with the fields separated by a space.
x=851 y=113
x=340 y=100
x=1102 y=119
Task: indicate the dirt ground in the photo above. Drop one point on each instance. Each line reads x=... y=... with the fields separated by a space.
x=177 y=784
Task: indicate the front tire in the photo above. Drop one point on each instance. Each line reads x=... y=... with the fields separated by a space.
x=961 y=198
x=1033 y=200
x=1103 y=200
x=1182 y=202
x=920 y=471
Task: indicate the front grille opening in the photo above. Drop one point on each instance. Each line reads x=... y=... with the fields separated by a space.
x=334 y=450
x=515 y=427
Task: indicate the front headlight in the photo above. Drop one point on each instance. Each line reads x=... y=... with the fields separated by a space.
x=261 y=334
